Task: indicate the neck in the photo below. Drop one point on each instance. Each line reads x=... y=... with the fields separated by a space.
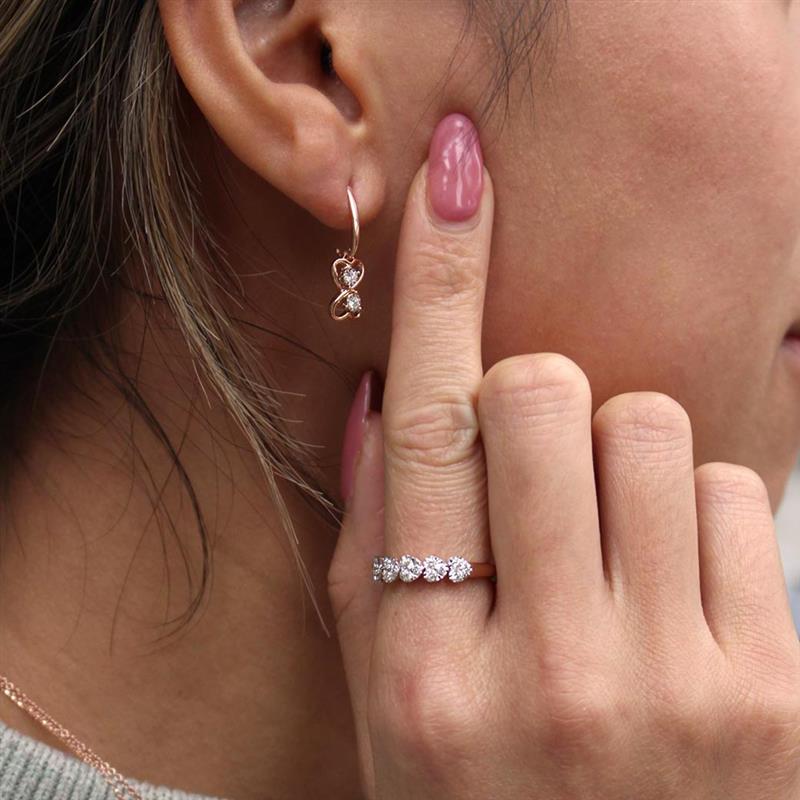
x=101 y=557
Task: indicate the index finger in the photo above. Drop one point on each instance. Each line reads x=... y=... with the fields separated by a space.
x=435 y=473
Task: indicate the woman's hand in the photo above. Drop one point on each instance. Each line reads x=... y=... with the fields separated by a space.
x=638 y=642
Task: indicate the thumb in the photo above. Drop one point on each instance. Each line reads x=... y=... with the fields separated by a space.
x=354 y=595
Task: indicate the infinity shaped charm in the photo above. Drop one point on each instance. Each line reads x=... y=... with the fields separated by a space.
x=347 y=272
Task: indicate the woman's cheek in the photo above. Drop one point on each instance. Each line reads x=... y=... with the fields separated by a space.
x=664 y=205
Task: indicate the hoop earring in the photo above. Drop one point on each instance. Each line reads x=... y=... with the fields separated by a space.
x=347 y=272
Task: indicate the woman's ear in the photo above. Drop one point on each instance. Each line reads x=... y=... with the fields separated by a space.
x=279 y=82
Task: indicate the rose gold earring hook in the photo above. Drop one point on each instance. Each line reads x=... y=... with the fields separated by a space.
x=356 y=225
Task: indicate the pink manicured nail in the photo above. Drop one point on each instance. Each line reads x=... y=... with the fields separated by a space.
x=455 y=168
x=354 y=430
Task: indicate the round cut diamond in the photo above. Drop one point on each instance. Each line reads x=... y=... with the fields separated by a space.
x=377 y=568
x=353 y=303
x=459 y=569
x=350 y=276
x=435 y=569
x=410 y=568
x=390 y=569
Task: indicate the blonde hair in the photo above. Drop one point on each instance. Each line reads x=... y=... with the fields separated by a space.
x=88 y=98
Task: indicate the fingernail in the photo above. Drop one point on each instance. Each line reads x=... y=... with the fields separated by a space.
x=366 y=398
x=455 y=169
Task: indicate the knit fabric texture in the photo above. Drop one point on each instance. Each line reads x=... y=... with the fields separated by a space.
x=32 y=770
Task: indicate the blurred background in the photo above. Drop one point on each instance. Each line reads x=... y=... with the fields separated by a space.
x=788 y=525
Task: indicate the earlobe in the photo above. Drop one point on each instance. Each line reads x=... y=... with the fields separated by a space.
x=256 y=72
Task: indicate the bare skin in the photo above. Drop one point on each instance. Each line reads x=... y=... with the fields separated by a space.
x=632 y=177
x=638 y=641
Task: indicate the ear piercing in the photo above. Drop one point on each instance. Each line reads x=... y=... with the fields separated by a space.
x=347 y=272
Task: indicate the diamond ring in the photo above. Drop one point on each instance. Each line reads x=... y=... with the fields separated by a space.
x=432 y=568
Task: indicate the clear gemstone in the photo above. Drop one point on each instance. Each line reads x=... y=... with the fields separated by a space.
x=353 y=303
x=377 y=568
x=410 y=568
x=350 y=276
x=459 y=569
x=435 y=569
x=390 y=570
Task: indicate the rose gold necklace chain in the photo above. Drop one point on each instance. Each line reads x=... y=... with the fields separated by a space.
x=122 y=789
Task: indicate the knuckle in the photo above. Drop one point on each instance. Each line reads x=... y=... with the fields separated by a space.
x=649 y=421
x=445 y=270
x=766 y=719
x=571 y=713
x=577 y=722
x=430 y=715
x=777 y=722
x=680 y=706
x=533 y=386
x=733 y=484
x=437 y=434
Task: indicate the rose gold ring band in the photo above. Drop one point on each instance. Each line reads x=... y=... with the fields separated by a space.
x=408 y=568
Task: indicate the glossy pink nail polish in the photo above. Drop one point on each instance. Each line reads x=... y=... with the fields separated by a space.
x=363 y=400
x=455 y=169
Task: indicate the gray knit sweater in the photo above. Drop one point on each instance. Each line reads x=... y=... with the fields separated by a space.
x=32 y=770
